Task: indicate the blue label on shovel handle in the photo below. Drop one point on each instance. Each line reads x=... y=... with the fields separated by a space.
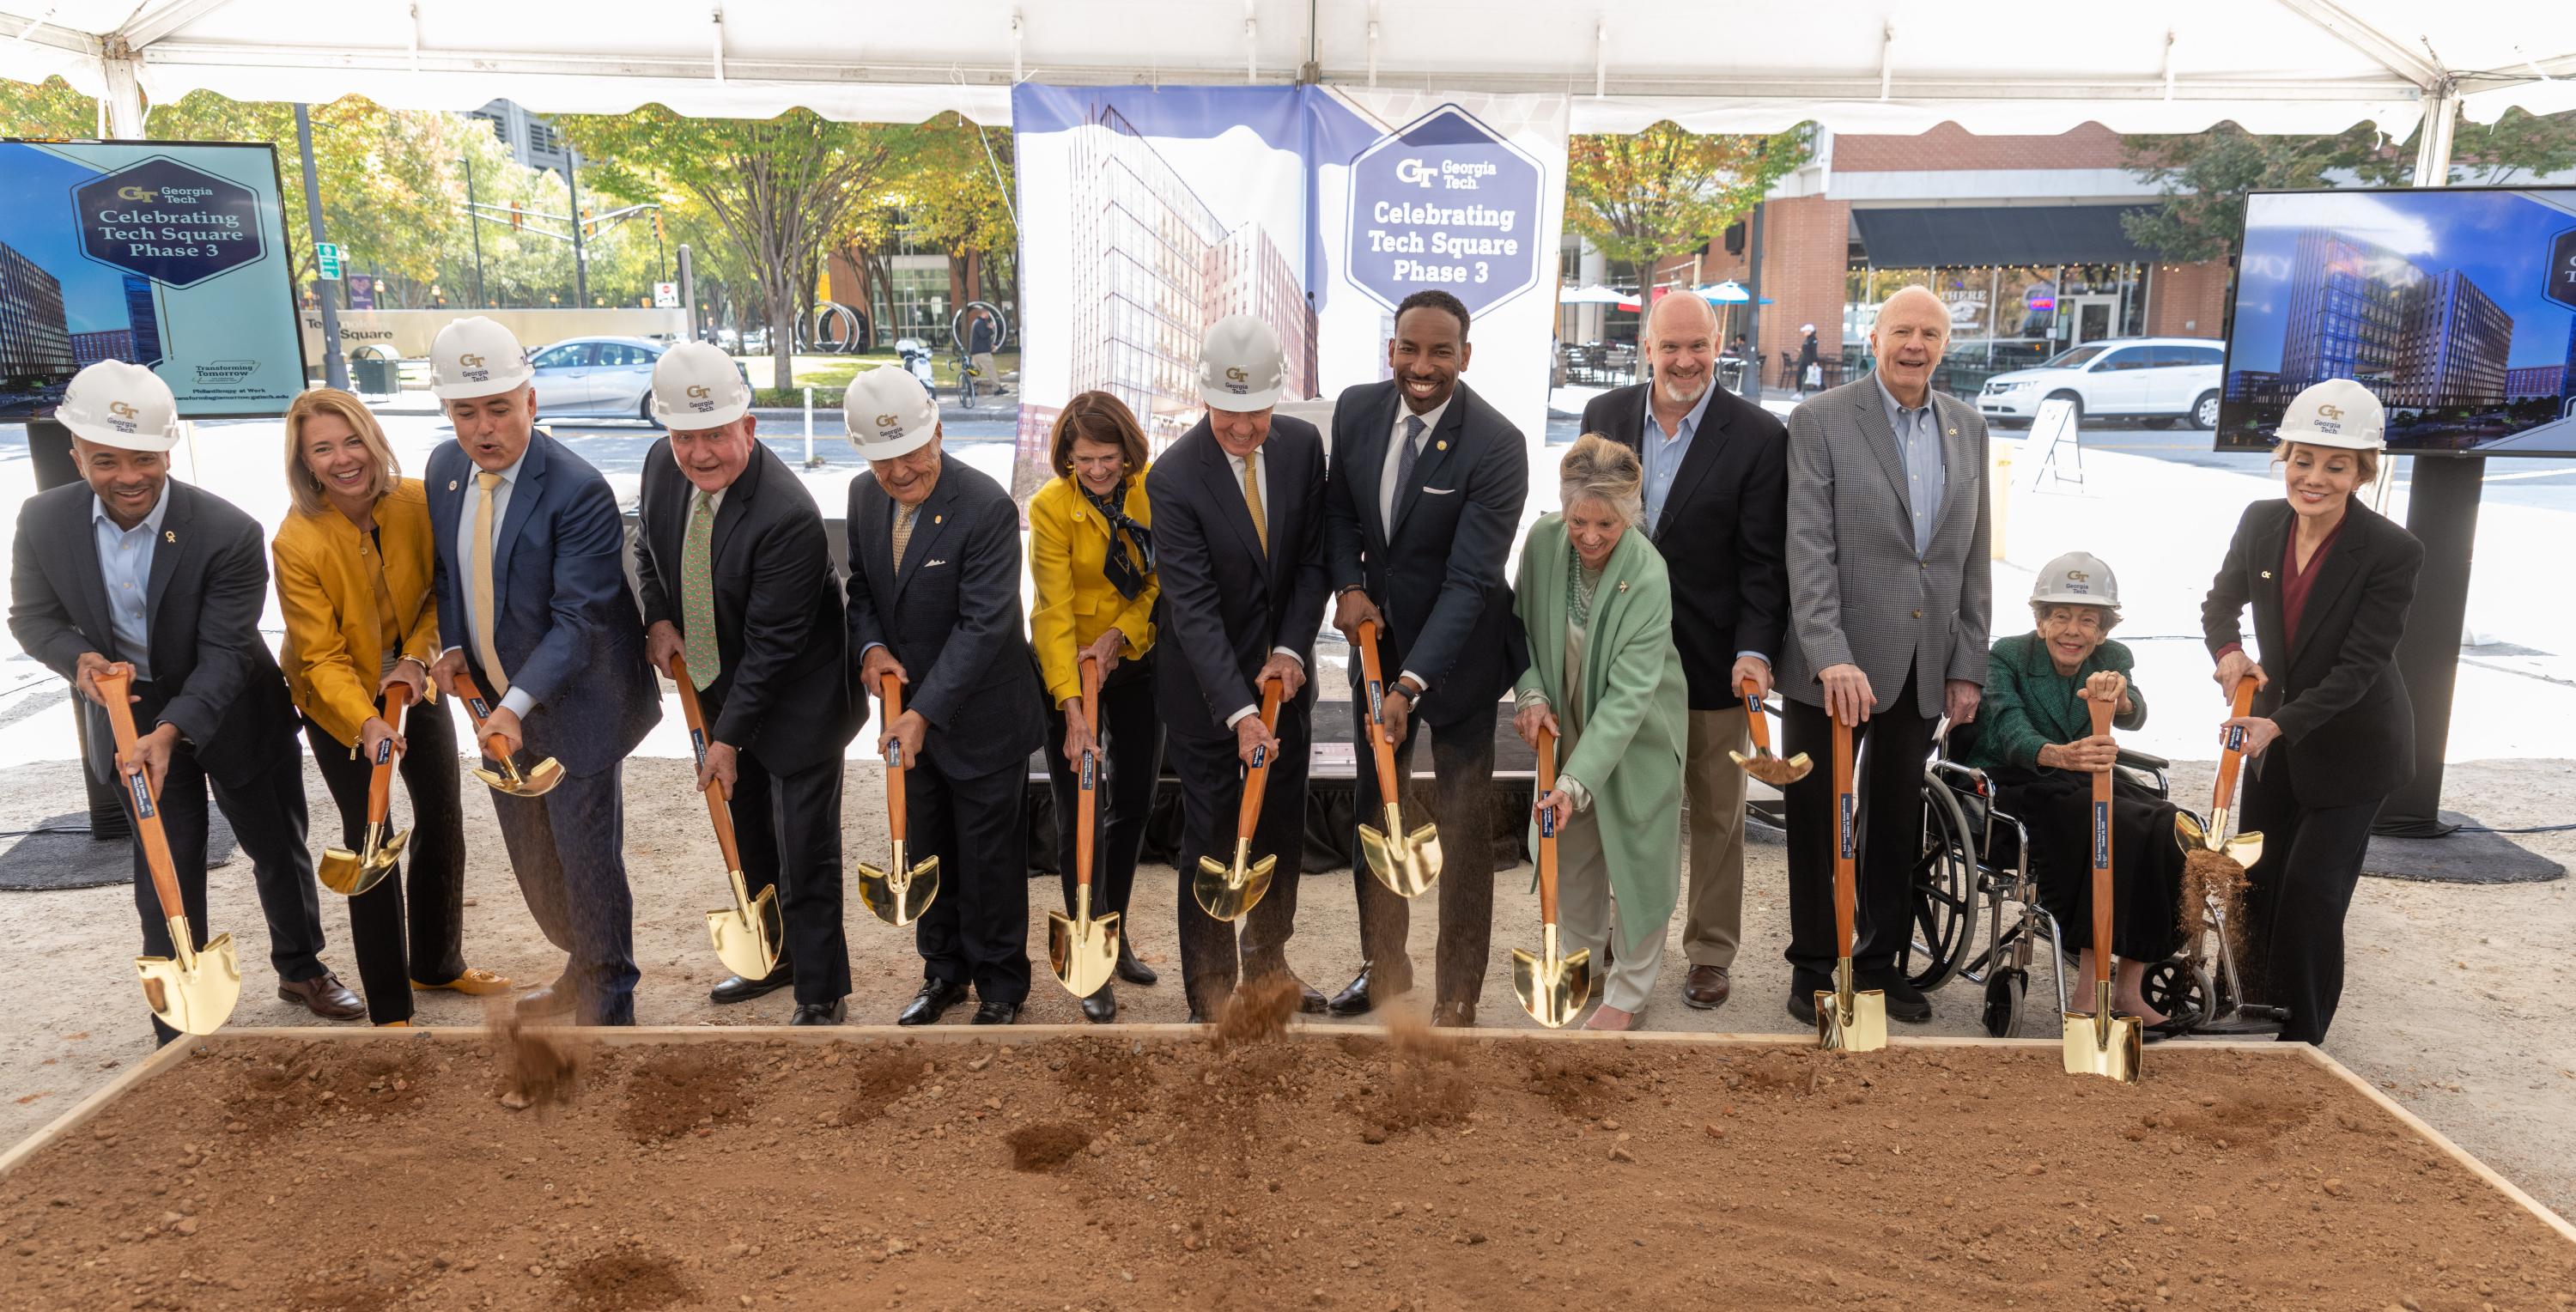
x=1377 y=708
x=482 y=709
x=1086 y=771
x=894 y=753
x=698 y=746
x=1547 y=822
x=142 y=794
x=1847 y=804
x=2101 y=835
x=2236 y=738
x=1260 y=754
x=384 y=751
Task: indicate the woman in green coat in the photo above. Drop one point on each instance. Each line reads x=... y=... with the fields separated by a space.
x=1603 y=676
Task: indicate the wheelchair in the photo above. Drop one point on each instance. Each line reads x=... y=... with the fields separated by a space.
x=1976 y=861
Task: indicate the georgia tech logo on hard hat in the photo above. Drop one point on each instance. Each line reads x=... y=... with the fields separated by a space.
x=699 y=392
x=2330 y=412
x=2077 y=575
x=469 y=361
x=121 y=409
x=885 y=421
x=137 y=193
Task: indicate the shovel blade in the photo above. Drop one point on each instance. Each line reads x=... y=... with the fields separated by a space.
x=2246 y=848
x=345 y=872
x=899 y=899
x=193 y=993
x=1229 y=892
x=1772 y=770
x=748 y=934
x=1082 y=952
x=386 y=852
x=1409 y=864
x=1857 y=1023
x=2109 y=1050
x=1552 y=992
x=536 y=781
x=2187 y=831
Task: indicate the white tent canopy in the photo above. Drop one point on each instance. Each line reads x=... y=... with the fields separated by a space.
x=2019 y=66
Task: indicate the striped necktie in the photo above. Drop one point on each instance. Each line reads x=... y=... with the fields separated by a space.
x=482 y=616
x=698 y=595
x=902 y=534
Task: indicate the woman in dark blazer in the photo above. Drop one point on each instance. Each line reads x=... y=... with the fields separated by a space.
x=2332 y=733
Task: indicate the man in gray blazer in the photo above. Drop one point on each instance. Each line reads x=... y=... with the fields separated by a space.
x=1889 y=590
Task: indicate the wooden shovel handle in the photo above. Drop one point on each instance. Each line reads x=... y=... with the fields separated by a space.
x=115 y=687
x=717 y=809
x=479 y=709
x=1846 y=839
x=1379 y=745
x=1547 y=830
x=1087 y=773
x=380 y=781
x=2233 y=755
x=1755 y=719
x=1256 y=778
x=890 y=689
x=2102 y=711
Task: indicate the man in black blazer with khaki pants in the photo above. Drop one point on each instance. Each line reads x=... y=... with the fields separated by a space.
x=1239 y=549
x=1421 y=508
x=1717 y=506
x=934 y=599
x=736 y=576
x=180 y=601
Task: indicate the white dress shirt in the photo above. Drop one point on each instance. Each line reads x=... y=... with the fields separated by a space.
x=515 y=701
x=1386 y=489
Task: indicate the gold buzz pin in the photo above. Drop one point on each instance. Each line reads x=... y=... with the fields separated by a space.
x=1623 y=585
x=2267 y=573
x=1441 y=446
x=939 y=519
x=1954 y=432
x=168 y=536
x=451 y=485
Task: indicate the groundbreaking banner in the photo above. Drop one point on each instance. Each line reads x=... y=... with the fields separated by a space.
x=1147 y=214
x=165 y=254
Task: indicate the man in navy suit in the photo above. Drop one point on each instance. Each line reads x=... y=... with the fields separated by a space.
x=533 y=603
x=1239 y=547
x=934 y=600
x=1419 y=515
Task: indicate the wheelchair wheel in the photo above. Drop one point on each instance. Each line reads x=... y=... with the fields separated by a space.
x=2005 y=990
x=1944 y=903
x=2181 y=990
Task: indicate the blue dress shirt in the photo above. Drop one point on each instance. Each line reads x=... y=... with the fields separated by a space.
x=1918 y=449
x=125 y=563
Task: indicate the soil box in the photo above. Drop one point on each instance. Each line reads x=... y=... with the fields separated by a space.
x=1154 y=1167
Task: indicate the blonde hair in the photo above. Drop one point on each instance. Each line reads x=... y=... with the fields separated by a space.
x=301 y=483
x=1599 y=467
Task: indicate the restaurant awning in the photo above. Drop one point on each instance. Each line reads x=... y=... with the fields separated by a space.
x=1956 y=236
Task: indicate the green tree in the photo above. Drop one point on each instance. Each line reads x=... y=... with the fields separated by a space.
x=1642 y=196
x=777 y=187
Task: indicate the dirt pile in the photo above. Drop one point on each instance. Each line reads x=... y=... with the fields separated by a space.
x=539 y=1066
x=1045 y=1145
x=623 y=1280
x=685 y=1090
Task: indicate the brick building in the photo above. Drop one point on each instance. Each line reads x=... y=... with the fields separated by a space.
x=2020 y=234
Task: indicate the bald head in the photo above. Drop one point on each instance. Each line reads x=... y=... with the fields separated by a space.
x=1912 y=331
x=1681 y=334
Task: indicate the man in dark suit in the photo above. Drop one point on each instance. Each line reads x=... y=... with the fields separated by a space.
x=934 y=599
x=1420 y=511
x=1239 y=548
x=533 y=603
x=133 y=567
x=737 y=577
x=1716 y=497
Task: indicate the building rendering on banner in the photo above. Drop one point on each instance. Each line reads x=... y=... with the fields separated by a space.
x=1152 y=267
x=35 y=335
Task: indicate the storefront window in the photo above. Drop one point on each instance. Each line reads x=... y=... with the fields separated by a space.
x=2009 y=316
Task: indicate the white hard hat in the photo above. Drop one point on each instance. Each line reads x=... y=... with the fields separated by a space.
x=2078 y=578
x=1806 y=327
x=889 y=413
x=476 y=357
x=123 y=405
x=2338 y=413
x=1240 y=365
x=696 y=387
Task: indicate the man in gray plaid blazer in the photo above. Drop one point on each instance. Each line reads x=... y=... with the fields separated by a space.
x=1889 y=592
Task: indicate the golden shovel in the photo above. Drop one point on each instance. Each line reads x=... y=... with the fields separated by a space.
x=1082 y=950
x=1407 y=862
x=1762 y=764
x=1847 y=1019
x=2246 y=848
x=193 y=989
x=540 y=779
x=351 y=873
x=747 y=934
x=1229 y=891
x=2103 y=1044
x=1552 y=987
x=900 y=893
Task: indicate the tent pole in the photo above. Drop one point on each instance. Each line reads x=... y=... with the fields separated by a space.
x=124 y=99
x=335 y=366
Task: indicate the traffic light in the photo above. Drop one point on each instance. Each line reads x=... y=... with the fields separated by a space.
x=657 y=223
x=517 y=220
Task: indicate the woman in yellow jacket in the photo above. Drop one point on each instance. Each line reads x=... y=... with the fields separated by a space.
x=1091 y=553
x=353 y=578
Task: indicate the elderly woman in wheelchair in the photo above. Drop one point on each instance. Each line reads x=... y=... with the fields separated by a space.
x=2034 y=742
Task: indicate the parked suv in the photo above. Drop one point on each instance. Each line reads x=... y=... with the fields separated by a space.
x=2158 y=379
x=603 y=377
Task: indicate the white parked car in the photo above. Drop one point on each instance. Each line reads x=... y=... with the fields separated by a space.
x=2160 y=379
x=600 y=377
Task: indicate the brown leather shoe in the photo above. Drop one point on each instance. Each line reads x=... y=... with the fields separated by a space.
x=1454 y=1015
x=1706 y=986
x=323 y=995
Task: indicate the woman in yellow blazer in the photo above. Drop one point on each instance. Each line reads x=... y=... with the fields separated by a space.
x=353 y=578
x=1091 y=554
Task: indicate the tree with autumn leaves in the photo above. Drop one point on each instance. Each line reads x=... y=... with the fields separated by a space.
x=1640 y=197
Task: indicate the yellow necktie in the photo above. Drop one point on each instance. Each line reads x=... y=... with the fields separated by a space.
x=902 y=534
x=483 y=649
x=1252 y=500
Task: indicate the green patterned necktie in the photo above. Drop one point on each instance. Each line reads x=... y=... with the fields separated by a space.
x=698 y=595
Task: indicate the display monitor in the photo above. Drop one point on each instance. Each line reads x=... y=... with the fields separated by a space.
x=167 y=254
x=2455 y=306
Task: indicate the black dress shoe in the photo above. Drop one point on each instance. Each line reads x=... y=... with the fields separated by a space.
x=936 y=996
x=1454 y=1015
x=1904 y=1001
x=1803 y=988
x=1198 y=1017
x=737 y=989
x=996 y=1013
x=1101 y=1007
x=1309 y=999
x=1367 y=990
x=1132 y=970
x=817 y=1013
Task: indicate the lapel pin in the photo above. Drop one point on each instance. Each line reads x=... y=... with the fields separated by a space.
x=168 y=536
x=939 y=519
x=1954 y=432
x=451 y=485
x=2267 y=573
x=1441 y=445
x=1623 y=585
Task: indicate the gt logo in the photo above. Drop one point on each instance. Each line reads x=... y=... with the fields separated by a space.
x=2329 y=412
x=1236 y=374
x=470 y=361
x=120 y=409
x=1415 y=172
x=885 y=421
x=699 y=392
x=137 y=193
